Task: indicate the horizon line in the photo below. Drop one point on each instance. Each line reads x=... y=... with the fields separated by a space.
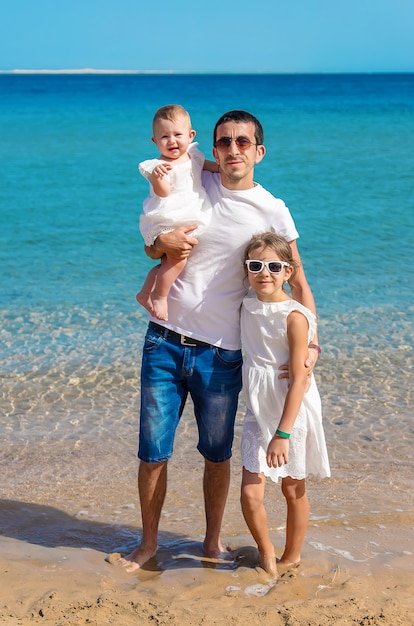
x=170 y=71
x=86 y=70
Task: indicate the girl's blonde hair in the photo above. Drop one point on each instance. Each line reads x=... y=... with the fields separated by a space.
x=279 y=244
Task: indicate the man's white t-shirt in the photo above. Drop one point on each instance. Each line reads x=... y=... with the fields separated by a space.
x=205 y=300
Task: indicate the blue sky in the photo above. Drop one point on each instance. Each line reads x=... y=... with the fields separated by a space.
x=188 y=36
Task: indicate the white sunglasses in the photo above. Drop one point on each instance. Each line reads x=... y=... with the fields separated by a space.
x=274 y=267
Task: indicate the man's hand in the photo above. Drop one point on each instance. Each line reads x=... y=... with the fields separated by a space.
x=177 y=244
x=313 y=355
x=309 y=364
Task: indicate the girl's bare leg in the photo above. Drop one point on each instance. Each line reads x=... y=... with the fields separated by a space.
x=297 y=519
x=252 y=494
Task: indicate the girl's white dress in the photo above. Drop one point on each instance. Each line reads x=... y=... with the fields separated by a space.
x=186 y=204
x=265 y=344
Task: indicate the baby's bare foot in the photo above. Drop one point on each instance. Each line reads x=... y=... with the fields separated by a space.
x=160 y=308
x=144 y=299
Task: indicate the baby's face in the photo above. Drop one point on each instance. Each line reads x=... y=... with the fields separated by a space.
x=172 y=137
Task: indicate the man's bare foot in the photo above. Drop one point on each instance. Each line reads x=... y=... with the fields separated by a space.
x=160 y=307
x=138 y=557
x=216 y=552
x=268 y=563
x=144 y=299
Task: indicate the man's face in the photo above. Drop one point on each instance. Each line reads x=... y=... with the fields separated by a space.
x=237 y=161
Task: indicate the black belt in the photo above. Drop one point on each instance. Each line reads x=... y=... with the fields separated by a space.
x=184 y=341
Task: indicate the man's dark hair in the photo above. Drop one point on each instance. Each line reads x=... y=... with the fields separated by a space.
x=241 y=116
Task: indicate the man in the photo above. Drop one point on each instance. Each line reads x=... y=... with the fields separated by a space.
x=197 y=351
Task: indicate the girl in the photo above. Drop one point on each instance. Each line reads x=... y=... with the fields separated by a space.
x=282 y=435
x=177 y=198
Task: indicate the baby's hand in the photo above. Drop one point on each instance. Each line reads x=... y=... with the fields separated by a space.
x=161 y=170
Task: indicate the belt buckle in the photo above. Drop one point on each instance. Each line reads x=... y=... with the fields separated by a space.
x=186 y=341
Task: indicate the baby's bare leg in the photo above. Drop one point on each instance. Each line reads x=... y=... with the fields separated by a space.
x=144 y=295
x=169 y=270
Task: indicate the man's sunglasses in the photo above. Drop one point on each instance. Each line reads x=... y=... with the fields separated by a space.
x=274 y=267
x=243 y=143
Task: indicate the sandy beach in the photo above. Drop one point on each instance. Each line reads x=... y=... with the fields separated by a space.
x=61 y=537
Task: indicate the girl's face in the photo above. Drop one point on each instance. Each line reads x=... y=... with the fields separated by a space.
x=268 y=285
x=172 y=137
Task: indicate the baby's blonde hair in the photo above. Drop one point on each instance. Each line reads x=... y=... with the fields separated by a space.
x=170 y=112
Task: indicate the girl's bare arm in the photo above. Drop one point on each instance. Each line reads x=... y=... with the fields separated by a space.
x=297 y=329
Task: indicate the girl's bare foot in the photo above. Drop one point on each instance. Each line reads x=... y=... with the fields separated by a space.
x=268 y=563
x=284 y=566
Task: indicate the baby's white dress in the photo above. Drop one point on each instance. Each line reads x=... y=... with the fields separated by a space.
x=265 y=345
x=186 y=204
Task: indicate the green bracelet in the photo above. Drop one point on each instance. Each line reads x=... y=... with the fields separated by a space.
x=280 y=433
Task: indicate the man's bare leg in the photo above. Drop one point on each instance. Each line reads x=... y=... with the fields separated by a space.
x=216 y=487
x=152 y=487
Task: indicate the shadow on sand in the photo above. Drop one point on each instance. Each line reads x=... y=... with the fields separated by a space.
x=50 y=527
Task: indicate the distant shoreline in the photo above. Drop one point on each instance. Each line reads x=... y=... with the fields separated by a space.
x=85 y=71
x=92 y=71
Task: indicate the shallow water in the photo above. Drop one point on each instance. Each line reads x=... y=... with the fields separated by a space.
x=71 y=259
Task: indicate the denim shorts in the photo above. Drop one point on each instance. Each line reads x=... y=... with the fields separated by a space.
x=170 y=371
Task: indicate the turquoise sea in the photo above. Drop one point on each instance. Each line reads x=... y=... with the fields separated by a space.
x=339 y=152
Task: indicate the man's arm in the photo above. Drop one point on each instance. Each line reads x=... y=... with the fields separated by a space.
x=211 y=166
x=303 y=294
